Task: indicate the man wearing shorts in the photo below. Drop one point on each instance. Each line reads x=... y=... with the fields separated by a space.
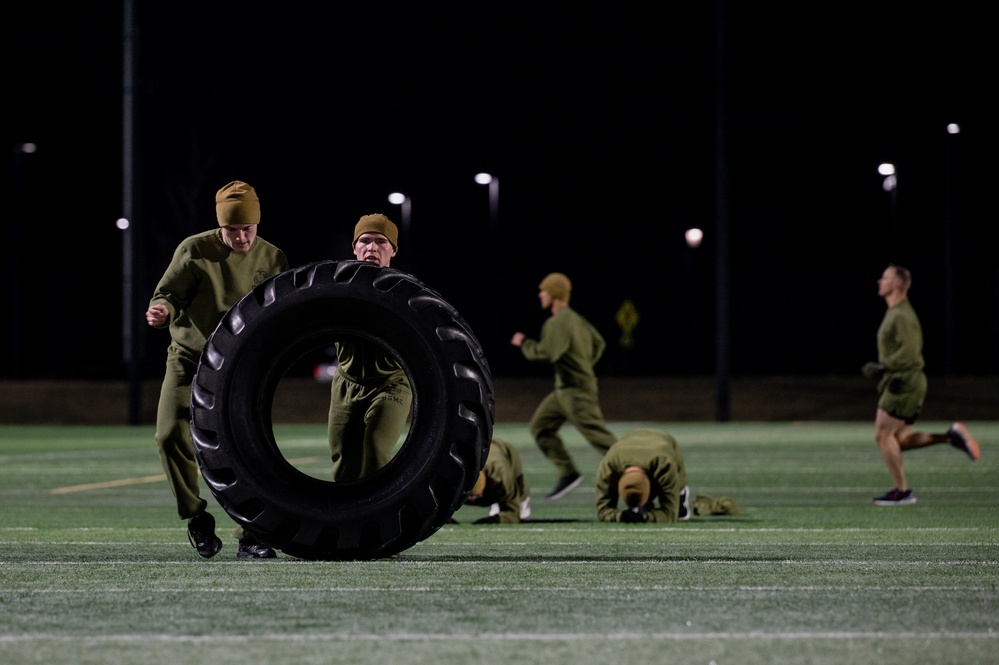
x=902 y=388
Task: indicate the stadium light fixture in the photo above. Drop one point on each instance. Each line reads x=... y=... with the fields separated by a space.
x=406 y=203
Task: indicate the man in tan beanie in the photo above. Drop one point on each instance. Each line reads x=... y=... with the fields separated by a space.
x=370 y=397
x=644 y=467
x=501 y=486
x=644 y=470
x=570 y=343
x=209 y=273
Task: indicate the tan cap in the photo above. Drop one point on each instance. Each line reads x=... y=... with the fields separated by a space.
x=634 y=486
x=377 y=223
x=480 y=485
x=558 y=285
x=237 y=203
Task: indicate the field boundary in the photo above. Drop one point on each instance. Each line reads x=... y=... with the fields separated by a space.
x=659 y=398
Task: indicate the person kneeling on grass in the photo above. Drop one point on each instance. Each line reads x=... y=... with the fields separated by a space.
x=502 y=487
x=645 y=471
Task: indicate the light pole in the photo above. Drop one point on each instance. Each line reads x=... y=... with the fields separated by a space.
x=493 y=182
x=132 y=269
x=890 y=185
x=953 y=129
x=723 y=297
x=14 y=261
x=406 y=203
x=128 y=309
x=696 y=298
x=494 y=253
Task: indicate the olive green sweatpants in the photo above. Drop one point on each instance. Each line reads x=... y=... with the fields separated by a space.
x=581 y=409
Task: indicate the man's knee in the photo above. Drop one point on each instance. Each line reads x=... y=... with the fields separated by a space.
x=544 y=427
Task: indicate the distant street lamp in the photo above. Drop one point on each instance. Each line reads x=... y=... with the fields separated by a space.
x=890 y=185
x=400 y=199
x=694 y=237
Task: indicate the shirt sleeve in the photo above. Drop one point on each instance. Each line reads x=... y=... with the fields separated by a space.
x=178 y=283
x=505 y=484
x=552 y=345
x=666 y=486
x=606 y=493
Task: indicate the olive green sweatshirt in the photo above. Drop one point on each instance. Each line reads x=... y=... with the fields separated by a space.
x=572 y=345
x=505 y=483
x=900 y=339
x=204 y=279
x=659 y=455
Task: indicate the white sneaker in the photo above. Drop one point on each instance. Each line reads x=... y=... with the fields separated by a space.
x=684 y=513
x=525 y=509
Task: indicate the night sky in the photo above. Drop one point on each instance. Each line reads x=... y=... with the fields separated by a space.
x=606 y=124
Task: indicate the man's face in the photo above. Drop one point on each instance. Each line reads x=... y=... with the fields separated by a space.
x=239 y=237
x=889 y=282
x=545 y=298
x=374 y=248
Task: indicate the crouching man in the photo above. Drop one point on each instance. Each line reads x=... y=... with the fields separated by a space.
x=644 y=471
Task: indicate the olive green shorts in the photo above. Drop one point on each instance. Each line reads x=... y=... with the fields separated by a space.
x=902 y=394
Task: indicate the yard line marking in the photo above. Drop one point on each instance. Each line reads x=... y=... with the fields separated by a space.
x=121 y=482
x=507 y=637
x=445 y=588
x=285 y=560
x=714 y=528
x=109 y=483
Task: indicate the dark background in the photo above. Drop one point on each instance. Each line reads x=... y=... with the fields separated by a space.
x=602 y=122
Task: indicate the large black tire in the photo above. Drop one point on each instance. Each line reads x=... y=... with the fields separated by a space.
x=299 y=311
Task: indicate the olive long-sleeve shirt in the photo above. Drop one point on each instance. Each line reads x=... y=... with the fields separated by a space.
x=505 y=484
x=659 y=455
x=204 y=279
x=900 y=339
x=570 y=343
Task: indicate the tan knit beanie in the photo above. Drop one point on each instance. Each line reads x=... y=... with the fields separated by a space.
x=237 y=203
x=634 y=486
x=558 y=285
x=377 y=223
x=480 y=485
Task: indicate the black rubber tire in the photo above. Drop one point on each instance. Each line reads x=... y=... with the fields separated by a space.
x=301 y=310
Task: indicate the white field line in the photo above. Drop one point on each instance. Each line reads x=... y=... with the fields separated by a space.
x=448 y=588
x=520 y=563
x=108 y=484
x=121 y=482
x=687 y=527
x=503 y=637
x=425 y=559
x=987 y=490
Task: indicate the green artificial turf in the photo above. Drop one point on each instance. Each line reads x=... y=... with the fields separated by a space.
x=95 y=567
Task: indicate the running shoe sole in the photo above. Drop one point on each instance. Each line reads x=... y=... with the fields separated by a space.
x=561 y=491
x=962 y=440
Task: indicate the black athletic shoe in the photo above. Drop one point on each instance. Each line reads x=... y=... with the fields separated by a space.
x=896 y=497
x=251 y=549
x=201 y=533
x=565 y=485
